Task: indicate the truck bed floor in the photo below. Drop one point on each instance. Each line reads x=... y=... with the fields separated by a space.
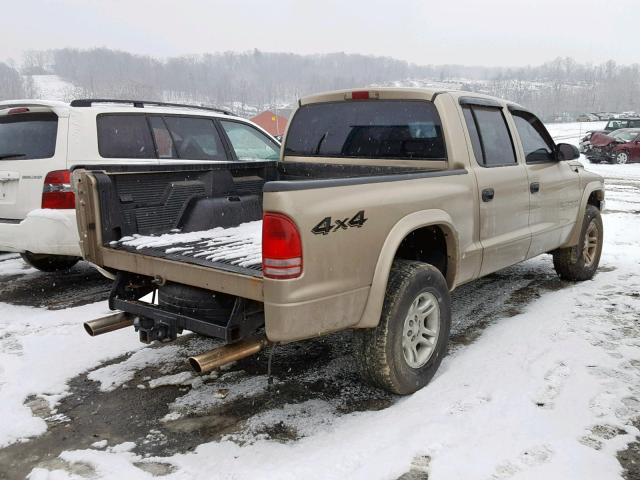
x=236 y=249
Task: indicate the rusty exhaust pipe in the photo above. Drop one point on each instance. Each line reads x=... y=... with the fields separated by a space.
x=207 y=361
x=109 y=323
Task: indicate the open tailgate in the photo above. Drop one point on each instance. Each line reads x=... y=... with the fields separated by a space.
x=128 y=202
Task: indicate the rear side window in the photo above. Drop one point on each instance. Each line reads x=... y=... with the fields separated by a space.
x=385 y=129
x=162 y=138
x=490 y=127
x=124 y=136
x=195 y=138
x=28 y=136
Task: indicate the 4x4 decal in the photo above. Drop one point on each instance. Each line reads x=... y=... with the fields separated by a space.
x=325 y=226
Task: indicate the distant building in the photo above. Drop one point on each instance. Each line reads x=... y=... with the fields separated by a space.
x=271 y=122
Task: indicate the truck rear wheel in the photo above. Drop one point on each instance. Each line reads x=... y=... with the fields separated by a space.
x=581 y=262
x=49 y=263
x=404 y=351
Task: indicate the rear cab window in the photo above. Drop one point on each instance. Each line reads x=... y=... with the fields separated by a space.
x=27 y=136
x=369 y=129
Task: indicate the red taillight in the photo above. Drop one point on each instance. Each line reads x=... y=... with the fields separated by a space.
x=281 y=247
x=13 y=111
x=359 y=95
x=57 y=192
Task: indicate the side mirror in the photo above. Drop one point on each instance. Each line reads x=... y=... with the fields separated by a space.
x=566 y=151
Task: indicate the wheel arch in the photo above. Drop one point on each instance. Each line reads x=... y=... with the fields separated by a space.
x=593 y=195
x=433 y=221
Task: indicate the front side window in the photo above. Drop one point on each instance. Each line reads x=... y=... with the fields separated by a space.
x=124 y=136
x=249 y=143
x=372 y=129
x=536 y=142
x=625 y=135
x=195 y=138
x=26 y=136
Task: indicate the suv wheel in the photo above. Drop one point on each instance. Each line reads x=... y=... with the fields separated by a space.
x=622 y=157
x=404 y=351
x=49 y=263
x=581 y=262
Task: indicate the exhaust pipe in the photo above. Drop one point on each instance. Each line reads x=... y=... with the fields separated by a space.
x=109 y=323
x=207 y=361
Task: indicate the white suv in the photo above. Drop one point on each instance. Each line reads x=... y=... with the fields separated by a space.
x=40 y=141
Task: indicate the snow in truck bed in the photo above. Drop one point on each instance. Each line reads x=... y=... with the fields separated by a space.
x=239 y=246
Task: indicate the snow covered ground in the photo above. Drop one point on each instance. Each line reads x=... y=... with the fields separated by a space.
x=543 y=382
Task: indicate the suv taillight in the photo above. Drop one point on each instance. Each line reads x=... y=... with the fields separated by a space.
x=281 y=247
x=57 y=192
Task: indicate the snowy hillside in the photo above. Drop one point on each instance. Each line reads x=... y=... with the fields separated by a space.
x=52 y=87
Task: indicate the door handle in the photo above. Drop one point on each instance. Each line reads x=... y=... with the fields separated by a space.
x=534 y=187
x=488 y=194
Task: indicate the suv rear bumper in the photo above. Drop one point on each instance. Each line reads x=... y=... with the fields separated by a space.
x=52 y=232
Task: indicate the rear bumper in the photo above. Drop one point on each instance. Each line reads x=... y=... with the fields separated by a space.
x=52 y=232
x=297 y=321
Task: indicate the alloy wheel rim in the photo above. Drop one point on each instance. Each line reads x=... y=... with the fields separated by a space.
x=421 y=328
x=622 y=157
x=590 y=244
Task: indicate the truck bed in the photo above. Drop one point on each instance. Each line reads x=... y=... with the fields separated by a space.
x=153 y=220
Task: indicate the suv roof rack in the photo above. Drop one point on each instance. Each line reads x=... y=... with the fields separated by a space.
x=87 y=102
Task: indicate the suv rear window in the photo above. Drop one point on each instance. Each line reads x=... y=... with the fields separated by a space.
x=376 y=129
x=28 y=135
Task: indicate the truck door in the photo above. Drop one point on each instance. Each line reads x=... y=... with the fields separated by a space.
x=502 y=185
x=554 y=186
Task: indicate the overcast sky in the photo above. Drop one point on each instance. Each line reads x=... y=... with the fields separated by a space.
x=471 y=32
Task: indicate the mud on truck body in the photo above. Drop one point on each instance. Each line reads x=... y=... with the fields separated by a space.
x=383 y=201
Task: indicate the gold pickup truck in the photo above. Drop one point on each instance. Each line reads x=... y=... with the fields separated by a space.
x=383 y=201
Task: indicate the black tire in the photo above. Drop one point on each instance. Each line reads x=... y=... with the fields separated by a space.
x=196 y=302
x=574 y=263
x=379 y=351
x=50 y=263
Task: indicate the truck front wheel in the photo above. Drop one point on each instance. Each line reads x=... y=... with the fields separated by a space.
x=404 y=351
x=581 y=262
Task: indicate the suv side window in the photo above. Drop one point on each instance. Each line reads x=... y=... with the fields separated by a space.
x=124 y=136
x=162 y=138
x=536 y=142
x=490 y=137
x=195 y=138
x=249 y=143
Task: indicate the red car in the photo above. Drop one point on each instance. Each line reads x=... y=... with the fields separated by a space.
x=620 y=146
